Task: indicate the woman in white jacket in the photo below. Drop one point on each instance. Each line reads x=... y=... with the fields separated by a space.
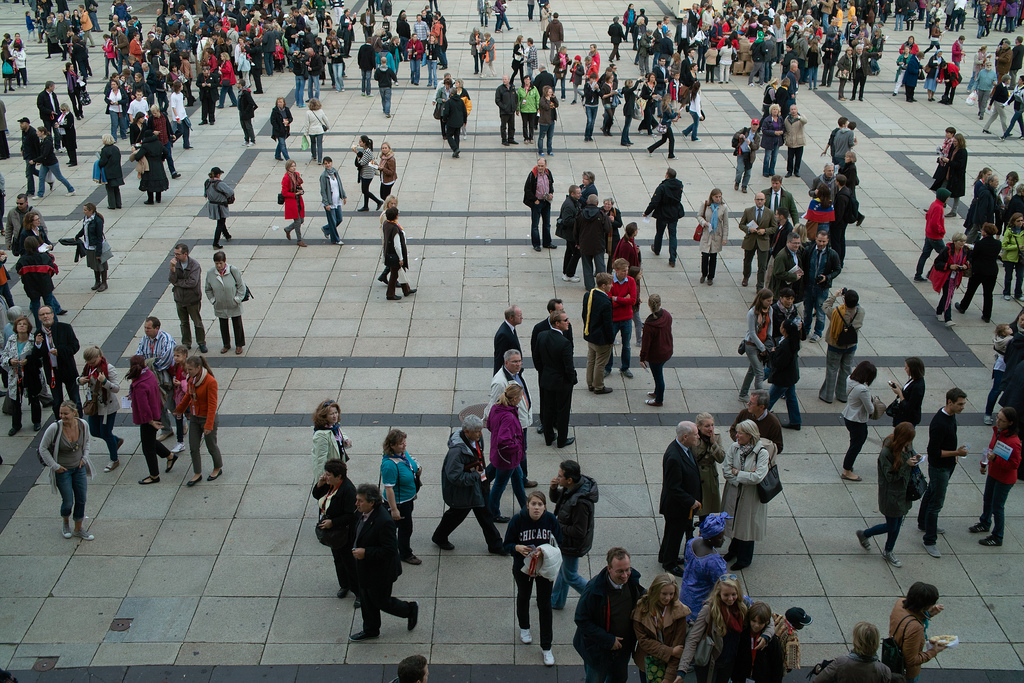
x=746 y=464
x=316 y=126
x=855 y=414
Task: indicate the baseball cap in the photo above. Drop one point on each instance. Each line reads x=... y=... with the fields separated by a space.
x=797 y=617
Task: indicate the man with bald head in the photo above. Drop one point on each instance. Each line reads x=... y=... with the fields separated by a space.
x=680 y=495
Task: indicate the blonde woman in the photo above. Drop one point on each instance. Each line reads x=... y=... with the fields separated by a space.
x=388 y=170
x=746 y=464
x=99 y=378
x=708 y=454
x=659 y=621
x=316 y=126
x=861 y=664
x=64 y=449
x=714 y=220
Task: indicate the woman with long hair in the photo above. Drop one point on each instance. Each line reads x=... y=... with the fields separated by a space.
x=201 y=400
x=329 y=441
x=316 y=126
x=855 y=415
x=101 y=388
x=507 y=449
x=659 y=622
x=364 y=162
x=909 y=396
x=896 y=462
x=668 y=117
x=22 y=374
x=786 y=373
x=757 y=341
x=1003 y=460
x=714 y=221
x=294 y=206
x=280 y=126
x=388 y=169
x=399 y=474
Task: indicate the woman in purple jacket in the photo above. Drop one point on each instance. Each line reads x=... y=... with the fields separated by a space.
x=773 y=129
x=144 y=393
x=507 y=449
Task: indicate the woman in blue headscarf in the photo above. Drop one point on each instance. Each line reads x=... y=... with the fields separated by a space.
x=703 y=564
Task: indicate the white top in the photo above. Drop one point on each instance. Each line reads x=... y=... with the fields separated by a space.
x=177 y=106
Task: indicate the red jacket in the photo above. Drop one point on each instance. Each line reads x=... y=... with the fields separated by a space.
x=623 y=296
x=1004 y=471
x=656 y=345
x=294 y=206
x=935 y=221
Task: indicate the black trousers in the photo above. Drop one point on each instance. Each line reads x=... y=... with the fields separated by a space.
x=255 y=75
x=508 y=127
x=345 y=568
x=571 y=259
x=209 y=107
x=376 y=598
x=222 y=229
x=743 y=551
x=794 y=155
x=859 y=79
x=113 y=196
x=34 y=407
x=236 y=324
x=151 y=448
x=453 y=517
x=708 y=264
x=57 y=387
x=524 y=590
x=453 y=138
x=555 y=407
x=988 y=285
x=677 y=528
x=837 y=239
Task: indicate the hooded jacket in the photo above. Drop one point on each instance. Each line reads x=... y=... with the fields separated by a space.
x=462 y=488
x=592 y=230
x=667 y=202
x=656 y=346
x=574 y=510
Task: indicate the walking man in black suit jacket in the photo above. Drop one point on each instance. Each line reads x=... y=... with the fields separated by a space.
x=557 y=378
x=506 y=338
x=49 y=110
x=598 y=332
x=680 y=494
x=55 y=349
x=377 y=565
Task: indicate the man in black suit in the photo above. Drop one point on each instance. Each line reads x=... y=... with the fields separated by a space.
x=55 y=349
x=506 y=338
x=31 y=148
x=680 y=494
x=49 y=109
x=597 y=331
x=542 y=326
x=377 y=565
x=557 y=378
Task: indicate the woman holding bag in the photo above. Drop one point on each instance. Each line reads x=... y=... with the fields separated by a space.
x=947 y=272
x=96 y=257
x=896 y=463
x=659 y=622
x=746 y=464
x=101 y=401
x=714 y=226
x=294 y=206
x=336 y=503
x=399 y=473
x=226 y=290
x=859 y=408
x=532 y=527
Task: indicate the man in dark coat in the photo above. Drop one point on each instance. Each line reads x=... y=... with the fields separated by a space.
x=557 y=377
x=565 y=227
x=464 y=488
x=507 y=100
x=667 y=208
x=598 y=332
x=574 y=495
x=604 y=638
x=821 y=265
x=591 y=235
x=30 y=150
x=453 y=117
x=377 y=565
x=55 y=349
x=506 y=338
x=680 y=495
x=49 y=107
x=538 y=191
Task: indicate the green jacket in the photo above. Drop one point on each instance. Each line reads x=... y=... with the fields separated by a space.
x=529 y=102
x=785 y=201
x=892 y=486
x=1013 y=243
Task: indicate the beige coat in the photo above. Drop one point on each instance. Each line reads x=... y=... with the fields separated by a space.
x=740 y=500
x=673 y=632
x=704 y=626
x=711 y=242
x=709 y=456
x=795 y=130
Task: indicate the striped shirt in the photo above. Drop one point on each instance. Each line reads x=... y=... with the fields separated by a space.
x=161 y=348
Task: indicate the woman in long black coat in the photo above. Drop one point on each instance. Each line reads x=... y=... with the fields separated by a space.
x=336 y=497
x=956 y=173
x=154 y=181
x=984 y=271
x=785 y=373
x=110 y=162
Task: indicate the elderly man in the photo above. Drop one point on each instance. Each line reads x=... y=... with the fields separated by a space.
x=55 y=349
x=512 y=372
x=537 y=194
x=827 y=178
x=506 y=338
x=680 y=495
x=507 y=100
x=758 y=224
x=465 y=488
x=186 y=281
x=757 y=410
x=159 y=345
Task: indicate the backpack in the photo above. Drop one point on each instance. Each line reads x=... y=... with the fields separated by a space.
x=892 y=652
x=848 y=335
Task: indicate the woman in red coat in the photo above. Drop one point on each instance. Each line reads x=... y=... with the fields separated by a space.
x=294 y=207
x=656 y=347
x=1003 y=455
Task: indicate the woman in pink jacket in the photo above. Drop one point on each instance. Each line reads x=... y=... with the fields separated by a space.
x=144 y=393
x=507 y=449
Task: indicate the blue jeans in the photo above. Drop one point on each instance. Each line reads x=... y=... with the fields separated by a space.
x=268 y=63
x=501 y=478
x=502 y=17
x=591 y=111
x=431 y=73
x=333 y=221
x=547 y=130
x=742 y=170
x=568 y=575
x=770 y=156
x=34 y=306
x=72 y=485
x=814 y=300
x=993 y=394
x=812 y=77
x=792 y=405
x=539 y=213
x=226 y=90
x=282 y=149
x=119 y=122
x=102 y=427
x=932 y=502
x=625 y=327
x=658 y=373
x=414 y=71
x=182 y=129
x=624 y=138
x=339 y=76
x=300 y=91
x=313 y=83
x=660 y=226
x=385 y=100
x=692 y=128
x=891 y=527
x=994 y=504
x=1016 y=118
x=43 y=170
x=367 y=79
x=1009 y=269
x=316 y=148
x=930 y=245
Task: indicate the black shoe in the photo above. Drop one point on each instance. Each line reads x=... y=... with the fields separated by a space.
x=729 y=556
x=192 y=482
x=203 y=349
x=791 y=426
x=414 y=614
x=737 y=566
x=918 y=278
x=501 y=519
x=675 y=570
x=536 y=248
x=568 y=442
x=497 y=550
x=990 y=541
x=358 y=603
x=175 y=175
x=958 y=308
x=365 y=208
x=443 y=545
x=363 y=635
x=342 y=592
x=36 y=427
x=218 y=246
x=13 y=431
x=978 y=528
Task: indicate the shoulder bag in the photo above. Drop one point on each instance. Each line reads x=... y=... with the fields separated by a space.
x=771 y=485
x=892 y=651
x=699 y=232
x=878 y=410
x=917 y=485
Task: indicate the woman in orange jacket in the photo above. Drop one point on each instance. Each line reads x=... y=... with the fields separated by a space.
x=201 y=397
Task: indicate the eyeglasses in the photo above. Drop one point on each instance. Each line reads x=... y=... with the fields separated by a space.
x=728 y=577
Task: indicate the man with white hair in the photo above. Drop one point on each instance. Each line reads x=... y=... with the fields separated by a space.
x=680 y=495
x=511 y=372
x=464 y=487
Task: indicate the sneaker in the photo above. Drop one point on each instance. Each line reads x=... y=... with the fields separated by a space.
x=84 y=535
x=939 y=530
x=987 y=419
x=524 y=636
x=566 y=278
x=574 y=278
x=814 y=338
x=863 y=540
x=1006 y=297
x=891 y=559
x=978 y=528
x=66 y=528
x=627 y=373
x=990 y=541
x=549 y=658
x=932 y=550
x=71 y=194
x=950 y=323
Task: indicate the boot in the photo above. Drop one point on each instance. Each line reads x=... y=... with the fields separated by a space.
x=392 y=283
x=103 y=282
x=407 y=290
x=97 y=285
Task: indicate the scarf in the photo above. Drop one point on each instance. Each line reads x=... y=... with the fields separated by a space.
x=295 y=179
x=837 y=322
x=338 y=436
x=93 y=372
x=193 y=384
x=714 y=217
x=222 y=272
x=732 y=620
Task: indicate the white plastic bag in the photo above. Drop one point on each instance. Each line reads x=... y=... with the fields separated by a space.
x=972 y=98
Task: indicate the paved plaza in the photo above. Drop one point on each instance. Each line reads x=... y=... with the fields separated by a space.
x=230 y=572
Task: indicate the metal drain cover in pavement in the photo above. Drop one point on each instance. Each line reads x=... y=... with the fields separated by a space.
x=120 y=624
x=44 y=663
x=476 y=409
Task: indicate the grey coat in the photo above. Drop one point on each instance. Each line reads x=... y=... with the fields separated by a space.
x=892 y=486
x=225 y=292
x=461 y=488
x=325 y=187
x=217 y=193
x=750 y=515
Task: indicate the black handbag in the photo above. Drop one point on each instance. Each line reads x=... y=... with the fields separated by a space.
x=329 y=537
x=893 y=409
x=771 y=485
x=280 y=198
x=391 y=260
x=9 y=405
x=917 y=485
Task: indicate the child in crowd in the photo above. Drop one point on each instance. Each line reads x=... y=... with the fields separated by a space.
x=180 y=380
